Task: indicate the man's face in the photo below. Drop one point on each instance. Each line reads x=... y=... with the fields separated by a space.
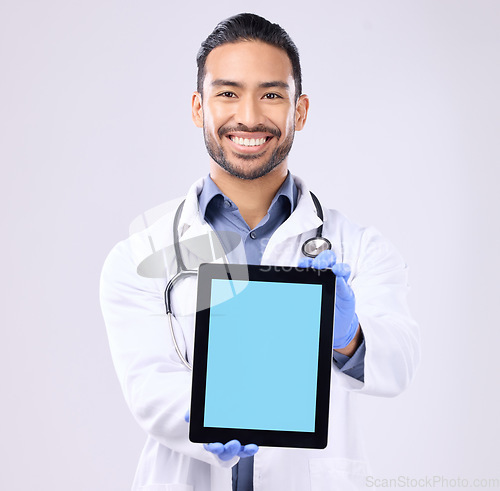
x=248 y=111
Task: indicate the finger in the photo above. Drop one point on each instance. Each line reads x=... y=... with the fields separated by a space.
x=231 y=449
x=248 y=450
x=325 y=259
x=305 y=262
x=342 y=269
x=215 y=448
x=234 y=446
x=342 y=290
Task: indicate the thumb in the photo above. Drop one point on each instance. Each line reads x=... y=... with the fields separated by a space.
x=342 y=271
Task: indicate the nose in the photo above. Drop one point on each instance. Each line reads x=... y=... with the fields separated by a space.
x=249 y=112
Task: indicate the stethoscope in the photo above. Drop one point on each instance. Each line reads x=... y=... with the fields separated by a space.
x=310 y=248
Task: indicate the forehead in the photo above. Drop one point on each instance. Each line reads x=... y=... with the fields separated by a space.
x=248 y=62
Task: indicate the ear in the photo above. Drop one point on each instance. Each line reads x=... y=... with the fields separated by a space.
x=197 y=110
x=301 y=109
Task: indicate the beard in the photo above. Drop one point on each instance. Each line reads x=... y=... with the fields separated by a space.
x=241 y=171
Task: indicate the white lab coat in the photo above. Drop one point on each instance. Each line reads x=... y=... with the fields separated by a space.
x=156 y=384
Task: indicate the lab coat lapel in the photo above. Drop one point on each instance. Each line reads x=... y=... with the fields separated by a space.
x=190 y=219
x=199 y=241
x=194 y=231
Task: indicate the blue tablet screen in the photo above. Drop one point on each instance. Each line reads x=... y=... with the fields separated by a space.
x=263 y=355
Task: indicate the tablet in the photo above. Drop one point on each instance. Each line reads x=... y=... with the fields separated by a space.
x=262 y=355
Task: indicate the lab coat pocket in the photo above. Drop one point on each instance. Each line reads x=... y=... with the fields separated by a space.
x=337 y=474
x=167 y=487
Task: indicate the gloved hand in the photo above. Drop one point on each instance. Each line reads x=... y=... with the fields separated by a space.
x=230 y=449
x=346 y=320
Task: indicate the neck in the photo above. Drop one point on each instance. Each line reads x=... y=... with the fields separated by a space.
x=252 y=197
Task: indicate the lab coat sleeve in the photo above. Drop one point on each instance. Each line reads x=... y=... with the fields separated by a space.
x=155 y=383
x=380 y=285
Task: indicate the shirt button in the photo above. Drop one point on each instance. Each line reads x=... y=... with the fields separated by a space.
x=227 y=203
x=253 y=235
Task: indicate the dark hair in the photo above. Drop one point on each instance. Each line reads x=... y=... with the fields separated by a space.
x=249 y=27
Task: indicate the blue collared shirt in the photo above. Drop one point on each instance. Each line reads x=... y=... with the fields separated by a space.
x=223 y=215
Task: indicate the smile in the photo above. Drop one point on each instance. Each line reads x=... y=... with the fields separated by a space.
x=249 y=142
x=246 y=142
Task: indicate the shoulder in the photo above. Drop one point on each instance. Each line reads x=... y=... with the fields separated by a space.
x=147 y=253
x=349 y=232
x=363 y=247
x=149 y=232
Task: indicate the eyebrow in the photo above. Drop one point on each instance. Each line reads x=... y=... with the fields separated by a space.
x=264 y=85
x=276 y=83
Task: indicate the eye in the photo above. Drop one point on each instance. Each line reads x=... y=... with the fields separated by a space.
x=227 y=93
x=272 y=95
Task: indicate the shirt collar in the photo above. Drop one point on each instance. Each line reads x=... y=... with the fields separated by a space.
x=210 y=190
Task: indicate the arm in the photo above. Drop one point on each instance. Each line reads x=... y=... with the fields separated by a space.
x=155 y=383
x=354 y=365
x=352 y=347
x=379 y=281
x=390 y=348
x=348 y=340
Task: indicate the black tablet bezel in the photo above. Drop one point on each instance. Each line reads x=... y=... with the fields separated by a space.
x=199 y=433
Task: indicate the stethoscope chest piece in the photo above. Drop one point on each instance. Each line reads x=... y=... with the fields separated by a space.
x=315 y=245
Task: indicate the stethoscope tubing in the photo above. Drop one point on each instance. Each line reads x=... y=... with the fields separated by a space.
x=184 y=271
x=168 y=308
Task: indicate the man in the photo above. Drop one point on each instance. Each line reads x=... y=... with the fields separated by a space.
x=249 y=103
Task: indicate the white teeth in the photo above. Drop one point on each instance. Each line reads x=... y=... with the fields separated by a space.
x=252 y=142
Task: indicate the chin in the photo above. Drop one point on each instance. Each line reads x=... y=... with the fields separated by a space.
x=250 y=172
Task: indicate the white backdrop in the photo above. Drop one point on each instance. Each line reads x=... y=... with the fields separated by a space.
x=95 y=127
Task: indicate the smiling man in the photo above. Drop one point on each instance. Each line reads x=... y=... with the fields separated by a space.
x=249 y=108
x=249 y=103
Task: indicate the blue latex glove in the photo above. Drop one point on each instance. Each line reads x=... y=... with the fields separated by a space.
x=346 y=320
x=230 y=449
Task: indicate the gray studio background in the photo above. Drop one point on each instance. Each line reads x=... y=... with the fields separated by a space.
x=95 y=127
